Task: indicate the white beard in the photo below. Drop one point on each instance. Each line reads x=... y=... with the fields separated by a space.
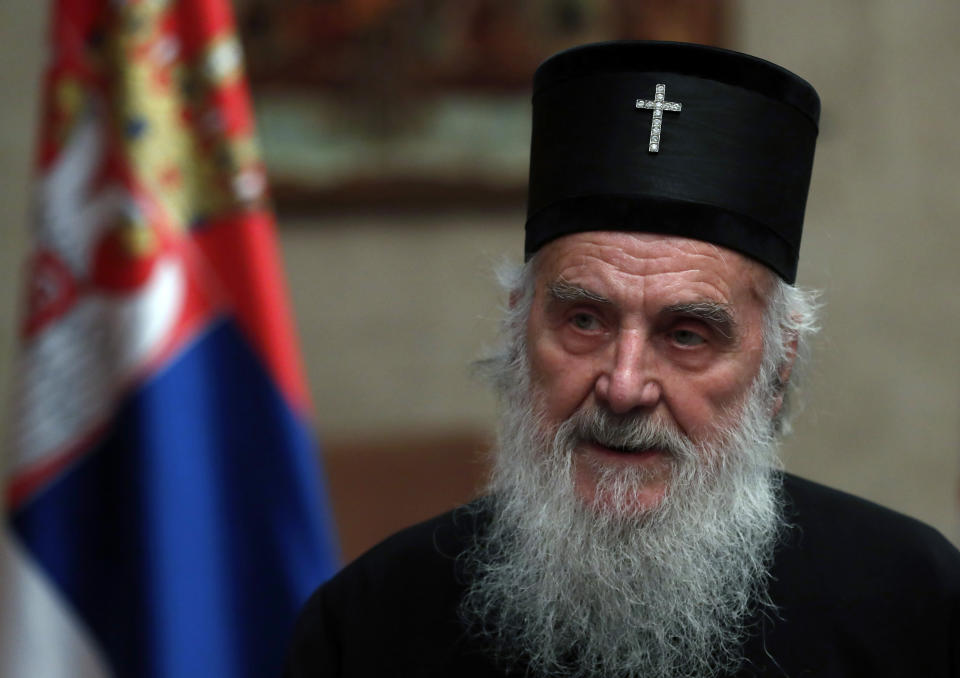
x=567 y=588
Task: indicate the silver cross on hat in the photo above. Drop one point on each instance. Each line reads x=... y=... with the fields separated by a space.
x=658 y=106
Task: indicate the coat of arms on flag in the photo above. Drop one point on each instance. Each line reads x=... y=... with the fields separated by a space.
x=164 y=512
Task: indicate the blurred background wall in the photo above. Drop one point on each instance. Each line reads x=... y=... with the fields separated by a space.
x=392 y=307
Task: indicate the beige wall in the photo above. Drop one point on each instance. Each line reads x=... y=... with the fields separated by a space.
x=883 y=416
x=390 y=314
x=21 y=31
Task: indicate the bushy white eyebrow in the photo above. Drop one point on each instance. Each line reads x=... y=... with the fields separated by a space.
x=715 y=314
x=561 y=290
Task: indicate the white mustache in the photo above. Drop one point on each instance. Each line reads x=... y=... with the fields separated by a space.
x=626 y=432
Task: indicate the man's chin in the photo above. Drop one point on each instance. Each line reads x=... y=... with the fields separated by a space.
x=625 y=499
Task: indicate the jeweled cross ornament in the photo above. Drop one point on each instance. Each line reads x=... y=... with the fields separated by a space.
x=658 y=106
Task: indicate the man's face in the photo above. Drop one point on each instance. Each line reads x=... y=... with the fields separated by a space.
x=639 y=323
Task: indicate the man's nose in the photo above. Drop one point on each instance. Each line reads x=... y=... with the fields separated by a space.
x=629 y=381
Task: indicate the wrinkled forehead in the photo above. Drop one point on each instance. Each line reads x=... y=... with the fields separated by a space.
x=628 y=264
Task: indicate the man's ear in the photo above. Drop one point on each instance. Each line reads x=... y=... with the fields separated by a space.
x=783 y=374
x=514 y=299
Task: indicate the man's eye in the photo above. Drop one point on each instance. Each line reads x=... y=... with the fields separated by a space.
x=584 y=321
x=687 y=338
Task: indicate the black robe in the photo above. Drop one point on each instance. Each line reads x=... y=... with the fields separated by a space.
x=860 y=590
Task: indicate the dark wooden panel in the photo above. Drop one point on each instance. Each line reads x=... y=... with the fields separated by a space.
x=380 y=486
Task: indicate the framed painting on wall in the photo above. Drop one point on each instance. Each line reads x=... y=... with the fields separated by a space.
x=421 y=103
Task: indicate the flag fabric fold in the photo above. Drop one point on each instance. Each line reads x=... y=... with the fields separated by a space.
x=165 y=516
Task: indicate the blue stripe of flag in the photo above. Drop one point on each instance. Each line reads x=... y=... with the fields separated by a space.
x=190 y=535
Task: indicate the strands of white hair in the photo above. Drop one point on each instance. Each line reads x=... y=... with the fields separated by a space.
x=790 y=322
x=567 y=589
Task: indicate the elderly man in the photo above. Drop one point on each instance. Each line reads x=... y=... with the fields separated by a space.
x=636 y=523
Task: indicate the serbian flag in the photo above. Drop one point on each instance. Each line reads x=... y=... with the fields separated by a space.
x=165 y=516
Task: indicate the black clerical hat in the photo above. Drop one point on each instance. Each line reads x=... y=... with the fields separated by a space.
x=672 y=138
